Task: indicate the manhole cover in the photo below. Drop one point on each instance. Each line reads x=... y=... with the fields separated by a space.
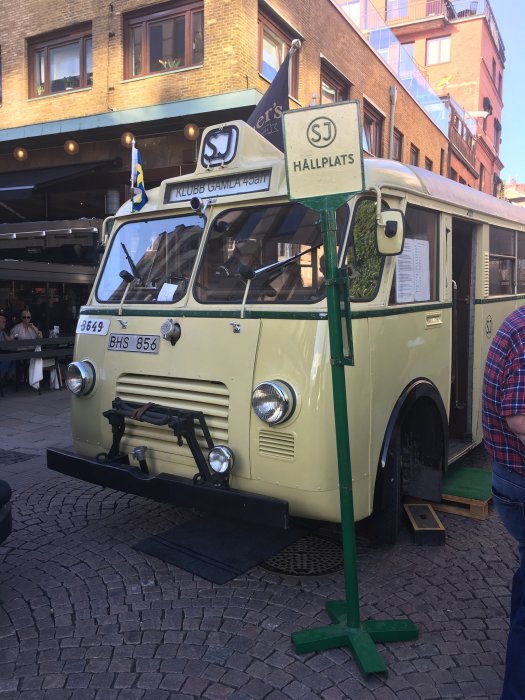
x=313 y=555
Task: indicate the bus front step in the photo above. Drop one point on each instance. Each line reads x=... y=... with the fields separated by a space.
x=426 y=526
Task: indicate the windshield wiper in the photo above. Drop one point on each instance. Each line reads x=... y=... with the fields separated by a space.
x=132 y=265
x=282 y=263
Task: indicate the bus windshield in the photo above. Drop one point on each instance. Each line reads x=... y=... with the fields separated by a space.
x=151 y=261
x=275 y=249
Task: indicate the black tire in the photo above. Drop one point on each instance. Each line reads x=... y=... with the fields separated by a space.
x=386 y=518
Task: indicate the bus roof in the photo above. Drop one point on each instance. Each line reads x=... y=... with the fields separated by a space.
x=388 y=173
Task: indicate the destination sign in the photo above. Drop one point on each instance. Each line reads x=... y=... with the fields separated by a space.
x=222 y=186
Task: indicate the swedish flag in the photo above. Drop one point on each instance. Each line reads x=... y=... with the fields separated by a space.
x=139 y=196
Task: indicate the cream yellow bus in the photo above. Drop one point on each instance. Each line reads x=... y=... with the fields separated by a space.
x=201 y=374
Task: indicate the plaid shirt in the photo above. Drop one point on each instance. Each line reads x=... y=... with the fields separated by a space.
x=504 y=392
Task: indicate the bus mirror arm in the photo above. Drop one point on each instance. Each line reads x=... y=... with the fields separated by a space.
x=390 y=227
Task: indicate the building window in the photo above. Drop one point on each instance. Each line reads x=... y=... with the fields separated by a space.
x=60 y=62
x=481 y=177
x=438 y=50
x=500 y=84
x=164 y=40
x=372 y=130
x=407 y=66
x=497 y=135
x=352 y=8
x=397 y=152
x=442 y=162
x=414 y=155
x=333 y=88
x=396 y=9
x=274 y=44
x=429 y=165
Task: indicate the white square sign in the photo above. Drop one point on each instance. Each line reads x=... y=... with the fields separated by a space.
x=323 y=151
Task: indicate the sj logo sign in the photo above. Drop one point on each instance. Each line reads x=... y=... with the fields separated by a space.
x=220 y=146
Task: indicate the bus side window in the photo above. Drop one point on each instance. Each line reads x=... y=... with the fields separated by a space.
x=363 y=259
x=416 y=268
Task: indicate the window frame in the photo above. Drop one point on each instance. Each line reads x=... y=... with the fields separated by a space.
x=398 y=142
x=267 y=26
x=141 y=20
x=500 y=259
x=416 y=214
x=340 y=87
x=373 y=130
x=43 y=45
x=414 y=155
x=438 y=41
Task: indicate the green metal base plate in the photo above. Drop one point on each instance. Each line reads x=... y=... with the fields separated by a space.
x=361 y=640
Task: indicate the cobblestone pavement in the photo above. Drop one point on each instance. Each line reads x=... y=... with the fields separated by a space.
x=83 y=615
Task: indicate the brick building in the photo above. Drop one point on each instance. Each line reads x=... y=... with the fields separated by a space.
x=77 y=77
x=79 y=80
x=458 y=45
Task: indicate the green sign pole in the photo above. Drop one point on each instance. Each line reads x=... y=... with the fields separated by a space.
x=346 y=629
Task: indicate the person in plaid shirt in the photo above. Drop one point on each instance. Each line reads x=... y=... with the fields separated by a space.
x=503 y=415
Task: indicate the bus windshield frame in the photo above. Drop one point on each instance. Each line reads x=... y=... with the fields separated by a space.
x=151 y=261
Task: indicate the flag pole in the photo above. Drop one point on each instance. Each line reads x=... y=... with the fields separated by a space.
x=295 y=45
x=133 y=172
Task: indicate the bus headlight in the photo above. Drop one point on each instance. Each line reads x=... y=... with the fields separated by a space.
x=220 y=459
x=80 y=378
x=273 y=402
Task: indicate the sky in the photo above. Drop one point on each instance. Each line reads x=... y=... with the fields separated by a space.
x=510 y=18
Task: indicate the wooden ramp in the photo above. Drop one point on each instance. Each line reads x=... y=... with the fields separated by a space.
x=468 y=507
x=465 y=491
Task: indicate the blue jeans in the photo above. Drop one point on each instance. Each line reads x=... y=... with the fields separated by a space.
x=508 y=492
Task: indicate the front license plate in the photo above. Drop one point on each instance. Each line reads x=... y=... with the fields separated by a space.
x=129 y=342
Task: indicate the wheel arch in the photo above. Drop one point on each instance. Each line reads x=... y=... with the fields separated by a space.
x=423 y=393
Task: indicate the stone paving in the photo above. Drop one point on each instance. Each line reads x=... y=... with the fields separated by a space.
x=83 y=615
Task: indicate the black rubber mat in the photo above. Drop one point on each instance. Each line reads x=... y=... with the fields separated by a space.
x=218 y=550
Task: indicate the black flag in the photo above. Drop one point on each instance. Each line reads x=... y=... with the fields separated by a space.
x=266 y=118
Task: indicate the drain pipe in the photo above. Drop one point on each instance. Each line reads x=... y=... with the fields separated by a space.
x=393 y=98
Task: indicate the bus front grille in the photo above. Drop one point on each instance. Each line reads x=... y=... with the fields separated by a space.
x=211 y=398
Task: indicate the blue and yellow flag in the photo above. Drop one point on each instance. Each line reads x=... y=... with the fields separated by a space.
x=138 y=196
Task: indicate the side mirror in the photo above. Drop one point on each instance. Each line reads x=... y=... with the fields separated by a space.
x=390 y=232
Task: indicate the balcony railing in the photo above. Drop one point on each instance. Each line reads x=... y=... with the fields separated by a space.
x=408 y=11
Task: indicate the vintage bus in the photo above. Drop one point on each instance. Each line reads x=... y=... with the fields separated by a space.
x=202 y=363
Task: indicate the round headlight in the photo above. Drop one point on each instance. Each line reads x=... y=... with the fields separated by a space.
x=220 y=459
x=80 y=378
x=273 y=402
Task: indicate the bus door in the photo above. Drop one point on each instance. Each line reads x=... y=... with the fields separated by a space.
x=460 y=428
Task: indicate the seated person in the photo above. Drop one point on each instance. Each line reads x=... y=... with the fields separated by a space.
x=25 y=330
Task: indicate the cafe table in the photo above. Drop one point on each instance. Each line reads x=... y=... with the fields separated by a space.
x=56 y=349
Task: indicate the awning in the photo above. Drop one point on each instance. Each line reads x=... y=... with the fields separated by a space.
x=20 y=184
